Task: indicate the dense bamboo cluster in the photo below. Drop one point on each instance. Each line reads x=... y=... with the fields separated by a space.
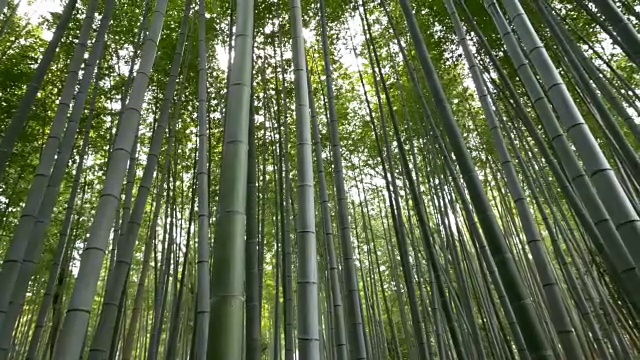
x=312 y=180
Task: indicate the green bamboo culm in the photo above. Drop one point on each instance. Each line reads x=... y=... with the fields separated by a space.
x=228 y=266
x=307 y=296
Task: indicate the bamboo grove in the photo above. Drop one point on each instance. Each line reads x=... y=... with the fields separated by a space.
x=320 y=179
